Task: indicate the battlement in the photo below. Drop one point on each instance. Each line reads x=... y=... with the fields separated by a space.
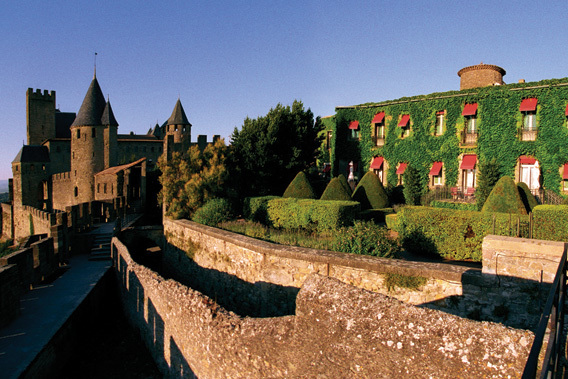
x=62 y=176
x=38 y=95
x=42 y=215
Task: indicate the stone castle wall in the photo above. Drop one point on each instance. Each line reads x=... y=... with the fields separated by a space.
x=7 y=230
x=258 y=278
x=337 y=330
x=62 y=190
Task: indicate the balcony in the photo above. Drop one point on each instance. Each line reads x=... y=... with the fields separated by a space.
x=379 y=141
x=469 y=139
x=528 y=135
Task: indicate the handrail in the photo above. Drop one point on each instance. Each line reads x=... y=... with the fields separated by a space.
x=554 y=312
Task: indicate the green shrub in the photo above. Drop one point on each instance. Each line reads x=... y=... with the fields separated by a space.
x=393 y=280
x=551 y=222
x=526 y=196
x=300 y=188
x=376 y=215
x=254 y=208
x=366 y=238
x=392 y=221
x=413 y=188
x=505 y=198
x=291 y=213
x=454 y=234
x=371 y=193
x=489 y=175
x=345 y=184
x=453 y=205
x=335 y=191
x=213 y=212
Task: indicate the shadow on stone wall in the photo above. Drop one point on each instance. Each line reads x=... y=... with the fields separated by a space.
x=511 y=301
x=259 y=299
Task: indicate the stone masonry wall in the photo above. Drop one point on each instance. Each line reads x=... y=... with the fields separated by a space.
x=7 y=231
x=338 y=331
x=258 y=278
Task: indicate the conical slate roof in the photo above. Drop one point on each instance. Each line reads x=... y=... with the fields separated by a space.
x=178 y=116
x=93 y=106
x=108 y=116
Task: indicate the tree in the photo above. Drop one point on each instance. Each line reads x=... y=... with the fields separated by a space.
x=505 y=198
x=189 y=180
x=489 y=175
x=413 y=187
x=300 y=188
x=371 y=193
x=268 y=151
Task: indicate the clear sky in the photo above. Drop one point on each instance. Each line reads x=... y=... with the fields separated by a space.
x=227 y=60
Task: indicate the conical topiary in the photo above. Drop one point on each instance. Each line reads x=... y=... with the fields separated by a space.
x=300 y=188
x=371 y=193
x=526 y=196
x=504 y=198
x=335 y=191
x=345 y=184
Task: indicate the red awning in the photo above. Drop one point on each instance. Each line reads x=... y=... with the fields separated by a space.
x=401 y=168
x=436 y=168
x=327 y=168
x=528 y=105
x=377 y=162
x=440 y=112
x=378 y=118
x=468 y=162
x=565 y=173
x=354 y=125
x=527 y=160
x=469 y=109
x=404 y=120
x=566 y=109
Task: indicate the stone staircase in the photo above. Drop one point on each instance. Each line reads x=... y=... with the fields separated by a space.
x=100 y=250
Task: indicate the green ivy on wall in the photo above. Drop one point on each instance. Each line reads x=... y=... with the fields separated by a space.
x=499 y=122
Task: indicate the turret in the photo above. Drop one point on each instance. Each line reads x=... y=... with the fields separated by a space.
x=30 y=171
x=40 y=116
x=178 y=132
x=88 y=144
x=481 y=75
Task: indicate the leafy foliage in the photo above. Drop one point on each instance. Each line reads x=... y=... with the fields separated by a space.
x=214 y=212
x=366 y=238
x=454 y=234
x=335 y=190
x=345 y=184
x=190 y=180
x=371 y=193
x=291 y=213
x=489 y=174
x=551 y=222
x=300 y=188
x=527 y=197
x=393 y=280
x=453 y=205
x=504 y=198
x=255 y=208
x=268 y=151
x=413 y=187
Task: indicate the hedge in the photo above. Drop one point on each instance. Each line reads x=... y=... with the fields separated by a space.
x=454 y=234
x=551 y=222
x=254 y=208
x=300 y=187
x=454 y=205
x=375 y=215
x=335 y=190
x=292 y=213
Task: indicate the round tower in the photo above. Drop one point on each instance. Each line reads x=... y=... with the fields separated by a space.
x=87 y=144
x=178 y=132
x=481 y=75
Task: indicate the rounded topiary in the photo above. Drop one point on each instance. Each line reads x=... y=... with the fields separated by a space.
x=345 y=184
x=371 y=193
x=300 y=188
x=213 y=212
x=526 y=196
x=504 y=198
x=335 y=191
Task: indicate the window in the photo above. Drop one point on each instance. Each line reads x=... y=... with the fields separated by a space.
x=528 y=111
x=98 y=187
x=328 y=139
x=377 y=167
x=471 y=124
x=467 y=166
x=78 y=133
x=529 y=173
x=94 y=132
x=437 y=174
x=152 y=149
x=354 y=127
x=565 y=178
x=400 y=172
x=529 y=121
x=404 y=125
x=105 y=188
x=77 y=194
x=439 y=128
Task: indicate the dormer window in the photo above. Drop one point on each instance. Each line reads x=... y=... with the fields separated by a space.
x=404 y=125
x=354 y=127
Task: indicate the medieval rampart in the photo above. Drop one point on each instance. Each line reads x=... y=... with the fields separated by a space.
x=338 y=331
x=258 y=278
x=62 y=190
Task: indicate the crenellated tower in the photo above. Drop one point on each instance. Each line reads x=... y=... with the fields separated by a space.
x=88 y=143
x=178 y=132
x=40 y=116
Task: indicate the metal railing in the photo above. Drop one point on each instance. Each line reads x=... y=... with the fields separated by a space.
x=528 y=135
x=378 y=141
x=469 y=138
x=552 y=318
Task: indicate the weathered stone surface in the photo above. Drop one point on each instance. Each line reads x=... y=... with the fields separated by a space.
x=338 y=331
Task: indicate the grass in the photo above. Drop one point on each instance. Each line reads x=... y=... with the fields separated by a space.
x=313 y=240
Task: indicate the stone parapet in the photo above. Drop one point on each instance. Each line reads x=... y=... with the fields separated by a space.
x=9 y=294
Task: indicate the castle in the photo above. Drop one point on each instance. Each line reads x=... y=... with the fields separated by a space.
x=80 y=160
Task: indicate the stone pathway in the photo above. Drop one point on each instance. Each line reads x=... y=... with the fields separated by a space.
x=44 y=309
x=100 y=250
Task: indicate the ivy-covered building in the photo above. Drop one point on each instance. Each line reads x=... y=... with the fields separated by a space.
x=446 y=136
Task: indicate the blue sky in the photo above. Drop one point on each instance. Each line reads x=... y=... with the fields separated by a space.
x=227 y=60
